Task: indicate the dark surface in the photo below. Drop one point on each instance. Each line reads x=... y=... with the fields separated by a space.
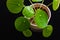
x=8 y=30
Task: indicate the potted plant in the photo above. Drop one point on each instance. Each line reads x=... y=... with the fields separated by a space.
x=35 y=16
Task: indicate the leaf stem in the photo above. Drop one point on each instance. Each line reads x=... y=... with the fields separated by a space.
x=30 y=1
x=23 y=5
x=49 y=4
x=42 y=1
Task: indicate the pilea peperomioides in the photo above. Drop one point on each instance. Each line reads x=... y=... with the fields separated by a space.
x=35 y=16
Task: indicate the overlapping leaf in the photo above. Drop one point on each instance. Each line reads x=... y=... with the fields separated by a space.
x=22 y=24
x=28 y=11
x=41 y=18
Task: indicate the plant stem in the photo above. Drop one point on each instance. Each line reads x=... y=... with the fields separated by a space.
x=23 y=5
x=42 y=1
x=49 y=4
x=30 y=1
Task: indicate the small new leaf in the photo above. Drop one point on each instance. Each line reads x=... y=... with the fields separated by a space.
x=36 y=0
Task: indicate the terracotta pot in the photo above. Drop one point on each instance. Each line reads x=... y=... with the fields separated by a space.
x=45 y=8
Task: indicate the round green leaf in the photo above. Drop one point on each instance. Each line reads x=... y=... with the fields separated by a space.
x=36 y=0
x=28 y=11
x=41 y=18
x=14 y=6
x=55 y=4
x=47 y=31
x=27 y=33
x=22 y=24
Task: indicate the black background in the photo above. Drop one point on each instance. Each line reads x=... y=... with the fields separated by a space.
x=9 y=32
